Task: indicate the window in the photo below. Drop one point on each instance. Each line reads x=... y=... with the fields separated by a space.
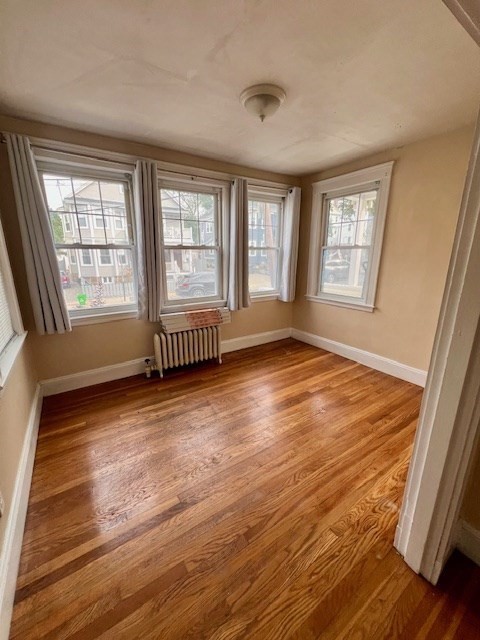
x=348 y=217
x=105 y=257
x=86 y=258
x=100 y=222
x=265 y=218
x=192 y=243
x=95 y=279
x=11 y=328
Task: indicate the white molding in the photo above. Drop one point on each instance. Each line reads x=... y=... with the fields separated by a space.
x=135 y=367
x=93 y=376
x=255 y=339
x=372 y=360
x=338 y=303
x=466 y=12
x=469 y=541
x=450 y=413
x=12 y=544
x=355 y=178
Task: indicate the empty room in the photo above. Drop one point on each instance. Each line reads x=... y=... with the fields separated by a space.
x=239 y=349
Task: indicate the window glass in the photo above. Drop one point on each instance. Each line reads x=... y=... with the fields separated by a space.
x=345 y=257
x=191 y=249
x=264 y=224
x=87 y=214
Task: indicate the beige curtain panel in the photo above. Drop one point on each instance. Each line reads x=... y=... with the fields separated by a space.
x=147 y=219
x=43 y=272
x=290 y=245
x=238 y=295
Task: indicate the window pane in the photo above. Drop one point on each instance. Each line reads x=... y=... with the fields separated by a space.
x=191 y=273
x=186 y=210
x=344 y=271
x=264 y=223
x=89 y=284
x=6 y=327
x=83 y=210
x=350 y=219
x=263 y=270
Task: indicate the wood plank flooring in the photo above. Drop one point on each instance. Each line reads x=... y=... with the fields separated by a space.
x=256 y=499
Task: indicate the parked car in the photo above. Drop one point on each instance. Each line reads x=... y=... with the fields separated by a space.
x=65 y=279
x=196 y=285
x=336 y=270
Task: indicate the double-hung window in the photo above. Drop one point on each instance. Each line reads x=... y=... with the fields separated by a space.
x=265 y=222
x=91 y=222
x=348 y=218
x=192 y=254
x=11 y=328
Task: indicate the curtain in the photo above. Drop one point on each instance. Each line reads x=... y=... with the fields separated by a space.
x=147 y=221
x=238 y=295
x=43 y=272
x=290 y=245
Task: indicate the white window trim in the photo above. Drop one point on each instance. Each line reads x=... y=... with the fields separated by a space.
x=278 y=195
x=207 y=185
x=9 y=355
x=380 y=174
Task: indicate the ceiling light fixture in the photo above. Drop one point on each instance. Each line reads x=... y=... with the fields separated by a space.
x=262 y=100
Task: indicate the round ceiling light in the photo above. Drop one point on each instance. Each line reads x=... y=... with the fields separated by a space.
x=262 y=100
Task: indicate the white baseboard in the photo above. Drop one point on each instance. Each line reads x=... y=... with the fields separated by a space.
x=12 y=544
x=469 y=541
x=255 y=339
x=134 y=367
x=392 y=367
x=93 y=376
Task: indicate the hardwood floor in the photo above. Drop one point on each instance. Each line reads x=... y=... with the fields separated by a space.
x=257 y=499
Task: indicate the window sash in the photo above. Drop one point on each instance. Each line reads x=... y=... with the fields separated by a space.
x=90 y=217
x=171 y=304
x=327 y=198
x=253 y=248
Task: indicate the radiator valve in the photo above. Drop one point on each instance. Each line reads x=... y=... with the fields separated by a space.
x=148 y=368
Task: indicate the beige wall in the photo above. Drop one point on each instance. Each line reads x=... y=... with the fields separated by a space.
x=15 y=405
x=425 y=195
x=99 y=345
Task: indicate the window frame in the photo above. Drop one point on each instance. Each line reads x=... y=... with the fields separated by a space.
x=377 y=177
x=221 y=189
x=277 y=196
x=10 y=352
x=105 y=173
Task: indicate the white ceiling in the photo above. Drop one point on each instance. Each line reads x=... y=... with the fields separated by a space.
x=360 y=76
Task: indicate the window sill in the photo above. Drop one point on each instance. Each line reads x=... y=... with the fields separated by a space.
x=192 y=306
x=357 y=306
x=104 y=317
x=7 y=360
x=263 y=297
